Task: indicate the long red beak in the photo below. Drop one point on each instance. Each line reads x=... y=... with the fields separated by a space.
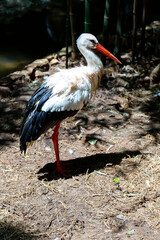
x=101 y=49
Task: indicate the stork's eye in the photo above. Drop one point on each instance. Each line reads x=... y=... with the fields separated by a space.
x=93 y=41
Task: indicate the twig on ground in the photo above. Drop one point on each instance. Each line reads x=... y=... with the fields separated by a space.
x=144 y=171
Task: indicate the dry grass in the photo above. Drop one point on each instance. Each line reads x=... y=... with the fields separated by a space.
x=113 y=189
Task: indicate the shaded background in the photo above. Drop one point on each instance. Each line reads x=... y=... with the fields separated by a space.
x=32 y=29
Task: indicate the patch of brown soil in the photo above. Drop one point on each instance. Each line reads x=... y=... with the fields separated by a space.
x=112 y=147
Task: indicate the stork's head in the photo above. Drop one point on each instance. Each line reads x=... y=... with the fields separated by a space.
x=89 y=41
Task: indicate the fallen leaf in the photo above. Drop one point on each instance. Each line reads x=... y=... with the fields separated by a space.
x=131 y=232
x=116 y=179
x=92 y=141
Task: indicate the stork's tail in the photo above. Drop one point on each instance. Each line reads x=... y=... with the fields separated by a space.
x=25 y=138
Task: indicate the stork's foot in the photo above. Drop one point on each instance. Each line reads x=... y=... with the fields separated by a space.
x=62 y=170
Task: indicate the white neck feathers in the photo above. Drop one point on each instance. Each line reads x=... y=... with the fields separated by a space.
x=93 y=61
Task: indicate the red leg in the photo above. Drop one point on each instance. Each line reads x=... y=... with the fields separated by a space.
x=56 y=148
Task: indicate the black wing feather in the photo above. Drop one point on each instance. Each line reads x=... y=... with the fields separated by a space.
x=36 y=121
x=30 y=107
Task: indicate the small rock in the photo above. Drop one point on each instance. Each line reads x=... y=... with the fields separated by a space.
x=4 y=91
x=5 y=137
x=8 y=109
x=16 y=75
x=155 y=74
x=30 y=69
x=46 y=73
x=40 y=64
x=120 y=216
x=157 y=95
x=119 y=82
x=25 y=74
x=148 y=183
x=39 y=74
x=50 y=57
x=23 y=98
x=125 y=114
x=63 y=58
x=102 y=107
x=120 y=89
x=111 y=115
x=48 y=149
x=70 y=151
x=131 y=232
x=136 y=75
x=126 y=55
x=53 y=62
x=128 y=69
x=147 y=78
x=148 y=214
x=107 y=230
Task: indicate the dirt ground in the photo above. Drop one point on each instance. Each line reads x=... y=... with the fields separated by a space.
x=112 y=148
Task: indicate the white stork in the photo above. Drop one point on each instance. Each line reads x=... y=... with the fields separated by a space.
x=62 y=95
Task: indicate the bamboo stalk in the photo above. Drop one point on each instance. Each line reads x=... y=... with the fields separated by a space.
x=87 y=22
x=73 y=30
x=118 y=28
x=143 y=27
x=67 y=31
x=134 y=30
x=105 y=32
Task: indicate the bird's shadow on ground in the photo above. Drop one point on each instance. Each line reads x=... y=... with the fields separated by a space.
x=82 y=165
x=9 y=231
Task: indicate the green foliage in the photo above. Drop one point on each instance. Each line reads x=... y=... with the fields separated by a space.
x=116 y=179
x=93 y=141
